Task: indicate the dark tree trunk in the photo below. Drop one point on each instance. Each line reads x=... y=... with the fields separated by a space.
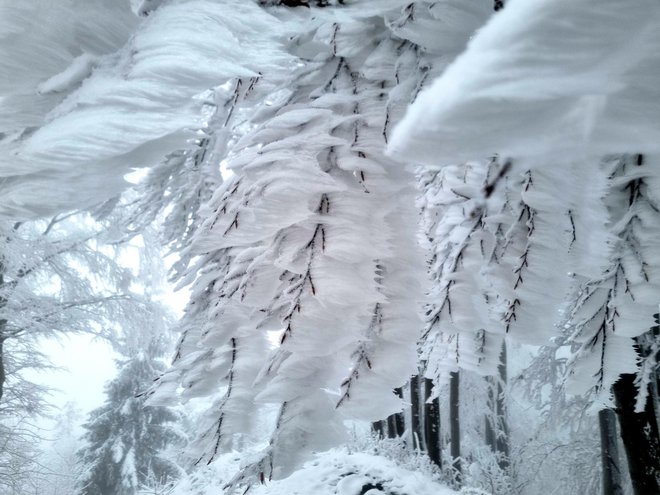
x=379 y=428
x=455 y=426
x=639 y=432
x=503 y=436
x=609 y=453
x=3 y=337
x=391 y=427
x=497 y=428
x=415 y=410
x=395 y=422
x=3 y=376
x=432 y=424
x=399 y=419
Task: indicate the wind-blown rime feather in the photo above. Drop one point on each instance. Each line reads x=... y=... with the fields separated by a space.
x=458 y=332
x=588 y=92
x=138 y=104
x=317 y=230
x=613 y=308
x=544 y=77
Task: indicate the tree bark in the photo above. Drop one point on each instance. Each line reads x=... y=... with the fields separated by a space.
x=3 y=328
x=432 y=424
x=396 y=422
x=399 y=419
x=455 y=426
x=379 y=428
x=609 y=453
x=497 y=428
x=3 y=375
x=415 y=410
x=639 y=432
x=391 y=427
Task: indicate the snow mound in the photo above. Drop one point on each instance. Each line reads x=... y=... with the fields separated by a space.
x=334 y=472
x=337 y=472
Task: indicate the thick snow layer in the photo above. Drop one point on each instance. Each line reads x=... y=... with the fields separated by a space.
x=335 y=472
x=339 y=473
x=139 y=103
x=80 y=68
x=545 y=76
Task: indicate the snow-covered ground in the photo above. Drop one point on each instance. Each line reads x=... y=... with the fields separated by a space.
x=335 y=472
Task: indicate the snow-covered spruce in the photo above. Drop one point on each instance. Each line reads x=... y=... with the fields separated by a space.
x=126 y=442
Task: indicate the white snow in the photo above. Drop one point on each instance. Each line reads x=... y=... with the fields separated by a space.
x=80 y=68
x=138 y=105
x=335 y=472
x=560 y=77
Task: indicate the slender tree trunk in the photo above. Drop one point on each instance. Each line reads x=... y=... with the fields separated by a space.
x=379 y=428
x=455 y=425
x=391 y=427
x=3 y=375
x=395 y=422
x=497 y=428
x=432 y=424
x=415 y=410
x=646 y=347
x=639 y=432
x=490 y=426
x=502 y=438
x=3 y=328
x=399 y=419
x=609 y=453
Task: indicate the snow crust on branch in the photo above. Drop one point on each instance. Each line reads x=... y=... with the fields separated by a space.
x=555 y=87
x=137 y=106
x=567 y=78
x=312 y=240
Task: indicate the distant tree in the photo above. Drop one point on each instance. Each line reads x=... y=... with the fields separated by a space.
x=126 y=441
x=60 y=467
x=57 y=279
x=20 y=468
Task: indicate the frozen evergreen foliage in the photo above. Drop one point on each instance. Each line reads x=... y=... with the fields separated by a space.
x=126 y=443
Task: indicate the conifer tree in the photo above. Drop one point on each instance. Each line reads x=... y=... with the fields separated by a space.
x=126 y=441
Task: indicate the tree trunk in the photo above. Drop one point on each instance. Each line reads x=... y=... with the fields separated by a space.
x=609 y=453
x=639 y=432
x=3 y=376
x=455 y=426
x=3 y=328
x=391 y=427
x=497 y=428
x=399 y=419
x=415 y=420
x=379 y=428
x=395 y=422
x=502 y=438
x=432 y=424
